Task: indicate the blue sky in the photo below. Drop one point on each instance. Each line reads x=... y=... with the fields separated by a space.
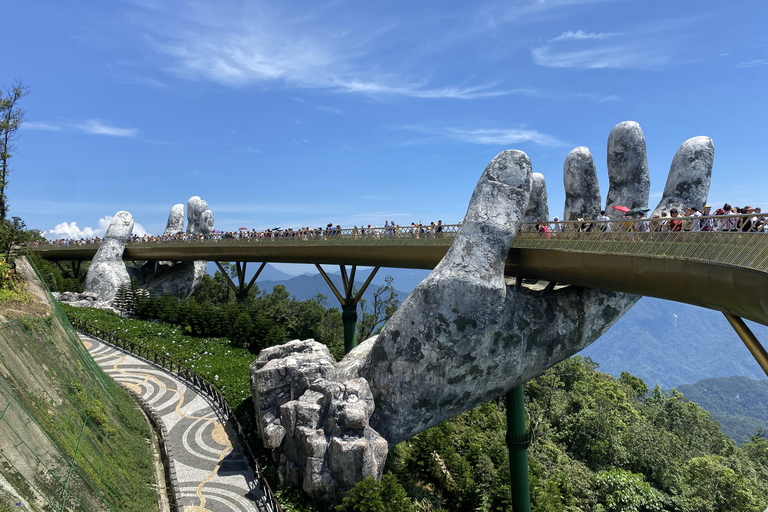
x=301 y=113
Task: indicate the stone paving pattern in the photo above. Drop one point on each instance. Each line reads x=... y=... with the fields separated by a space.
x=207 y=473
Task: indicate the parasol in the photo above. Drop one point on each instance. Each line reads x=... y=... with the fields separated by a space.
x=622 y=209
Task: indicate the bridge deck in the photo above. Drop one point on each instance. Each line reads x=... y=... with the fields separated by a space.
x=727 y=272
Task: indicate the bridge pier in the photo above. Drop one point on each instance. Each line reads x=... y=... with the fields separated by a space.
x=518 y=440
x=241 y=289
x=348 y=301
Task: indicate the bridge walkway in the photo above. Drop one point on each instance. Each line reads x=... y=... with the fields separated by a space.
x=208 y=470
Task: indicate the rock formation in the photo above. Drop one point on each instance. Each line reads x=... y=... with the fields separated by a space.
x=582 y=190
x=107 y=271
x=462 y=338
x=691 y=169
x=175 y=220
x=627 y=169
x=538 y=205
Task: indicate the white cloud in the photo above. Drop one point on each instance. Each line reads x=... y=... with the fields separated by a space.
x=580 y=34
x=752 y=63
x=491 y=136
x=618 y=57
x=38 y=125
x=320 y=50
x=72 y=230
x=96 y=127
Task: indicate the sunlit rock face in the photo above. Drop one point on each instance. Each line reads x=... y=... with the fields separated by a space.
x=107 y=271
x=175 y=220
x=689 y=175
x=462 y=338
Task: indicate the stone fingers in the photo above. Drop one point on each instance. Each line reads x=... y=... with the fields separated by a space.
x=582 y=190
x=627 y=169
x=689 y=176
x=538 y=205
x=175 y=220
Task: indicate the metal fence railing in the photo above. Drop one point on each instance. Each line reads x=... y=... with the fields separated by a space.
x=196 y=381
x=722 y=239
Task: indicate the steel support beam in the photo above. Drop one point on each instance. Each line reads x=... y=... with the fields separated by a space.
x=517 y=444
x=750 y=340
x=348 y=301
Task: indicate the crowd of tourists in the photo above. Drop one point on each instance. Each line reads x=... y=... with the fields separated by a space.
x=725 y=219
x=390 y=230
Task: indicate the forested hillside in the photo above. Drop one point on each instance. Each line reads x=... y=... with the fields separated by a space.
x=740 y=404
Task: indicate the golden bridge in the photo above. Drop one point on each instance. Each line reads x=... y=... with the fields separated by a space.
x=724 y=271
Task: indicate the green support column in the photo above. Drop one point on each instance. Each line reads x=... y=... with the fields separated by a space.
x=517 y=444
x=349 y=319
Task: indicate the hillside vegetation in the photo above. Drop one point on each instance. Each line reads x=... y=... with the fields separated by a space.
x=739 y=404
x=69 y=436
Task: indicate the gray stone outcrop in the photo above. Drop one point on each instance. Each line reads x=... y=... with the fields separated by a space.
x=330 y=446
x=175 y=220
x=463 y=337
x=689 y=175
x=107 y=271
x=629 y=183
x=582 y=190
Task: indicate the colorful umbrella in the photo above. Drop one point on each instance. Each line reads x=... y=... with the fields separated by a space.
x=241 y=229
x=622 y=209
x=637 y=210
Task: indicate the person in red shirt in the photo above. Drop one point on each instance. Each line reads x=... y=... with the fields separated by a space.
x=675 y=224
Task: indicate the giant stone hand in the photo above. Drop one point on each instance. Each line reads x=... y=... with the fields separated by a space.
x=464 y=336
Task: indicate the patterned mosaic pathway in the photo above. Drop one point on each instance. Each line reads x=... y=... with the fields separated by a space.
x=207 y=474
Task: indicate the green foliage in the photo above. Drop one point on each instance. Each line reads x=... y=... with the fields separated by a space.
x=385 y=303
x=11 y=289
x=56 y=279
x=623 y=491
x=372 y=496
x=11 y=118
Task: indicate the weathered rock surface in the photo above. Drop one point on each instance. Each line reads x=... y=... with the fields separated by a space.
x=175 y=278
x=175 y=220
x=689 y=175
x=538 y=204
x=582 y=190
x=84 y=300
x=107 y=271
x=462 y=338
x=331 y=446
x=195 y=207
x=629 y=183
x=206 y=223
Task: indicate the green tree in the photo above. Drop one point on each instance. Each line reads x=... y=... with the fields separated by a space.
x=372 y=496
x=385 y=304
x=11 y=118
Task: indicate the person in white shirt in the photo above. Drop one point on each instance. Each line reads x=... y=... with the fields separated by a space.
x=606 y=226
